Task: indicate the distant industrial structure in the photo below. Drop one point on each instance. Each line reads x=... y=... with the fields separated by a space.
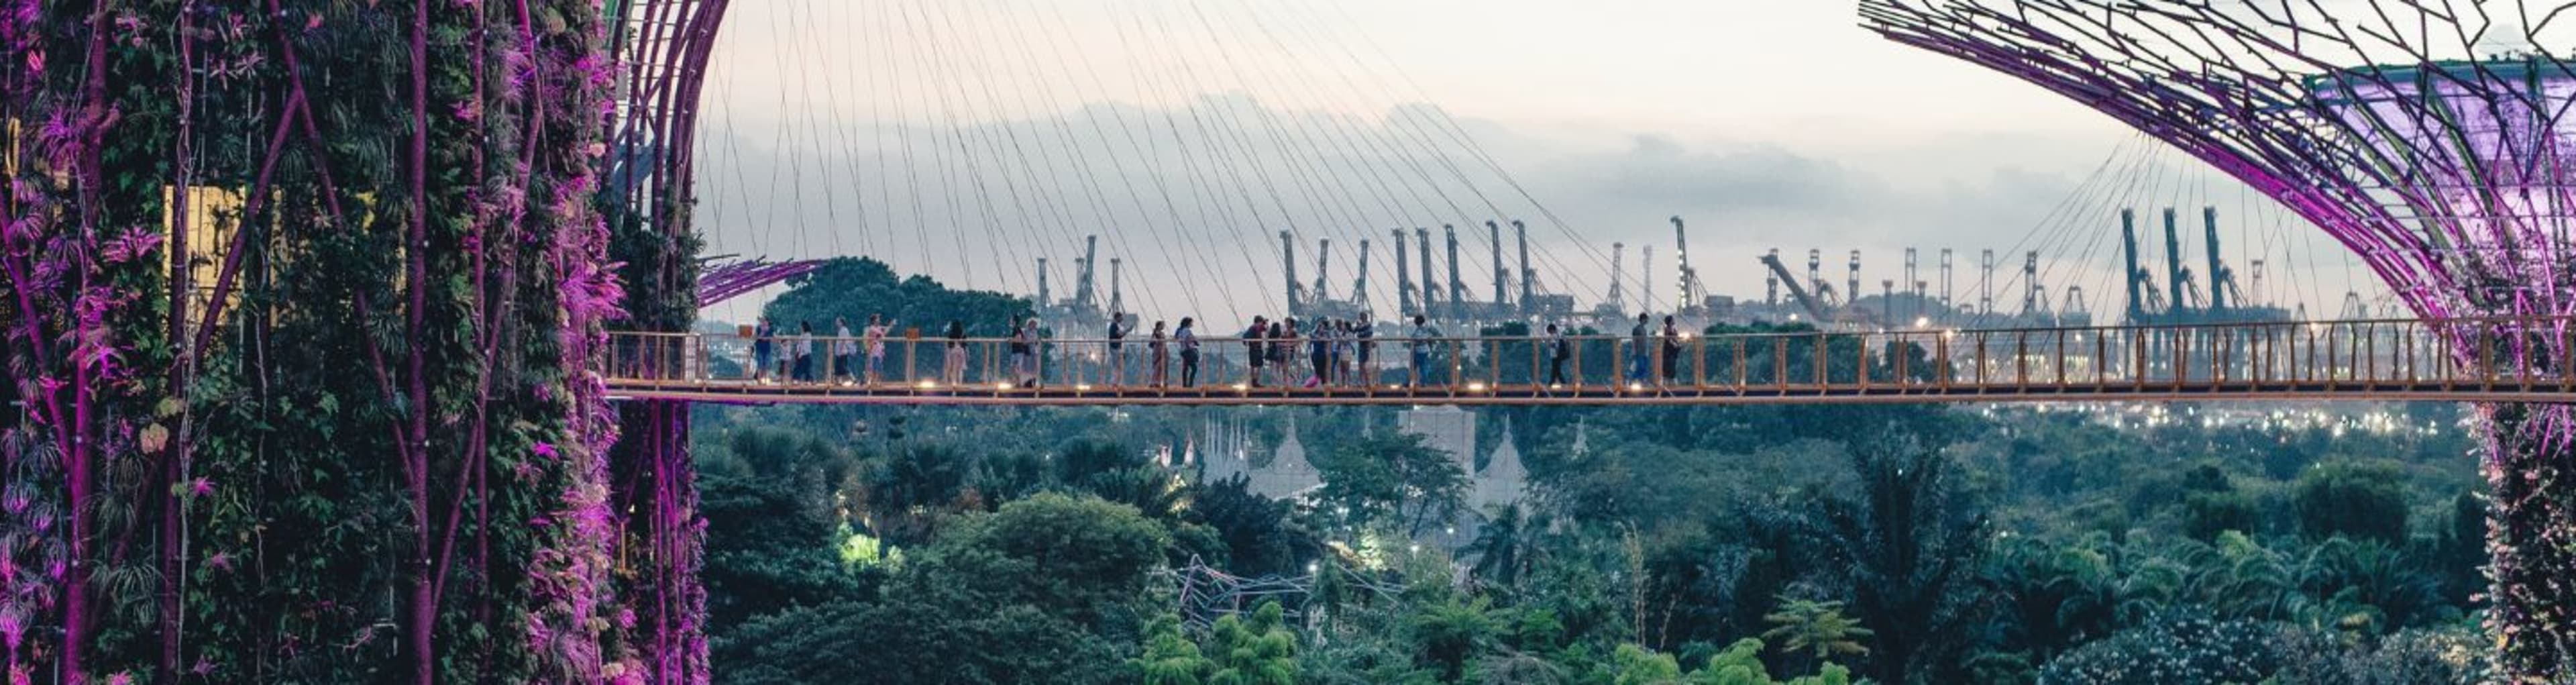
x=1432 y=283
x=2209 y=297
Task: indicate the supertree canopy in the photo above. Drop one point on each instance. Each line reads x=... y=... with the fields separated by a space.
x=2429 y=138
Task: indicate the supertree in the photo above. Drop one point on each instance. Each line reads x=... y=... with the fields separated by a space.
x=2429 y=137
x=306 y=299
x=661 y=50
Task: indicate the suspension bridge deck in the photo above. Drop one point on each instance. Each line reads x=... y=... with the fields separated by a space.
x=2457 y=360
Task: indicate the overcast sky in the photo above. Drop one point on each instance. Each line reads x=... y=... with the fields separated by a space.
x=965 y=138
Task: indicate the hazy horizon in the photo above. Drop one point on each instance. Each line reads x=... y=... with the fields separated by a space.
x=975 y=137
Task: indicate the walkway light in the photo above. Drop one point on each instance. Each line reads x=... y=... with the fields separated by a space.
x=929 y=385
x=1476 y=387
x=1004 y=385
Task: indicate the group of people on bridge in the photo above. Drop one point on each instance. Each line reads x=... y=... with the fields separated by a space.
x=1285 y=353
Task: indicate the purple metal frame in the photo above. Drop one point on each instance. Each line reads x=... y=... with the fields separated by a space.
x=662 y=48
x=720 y=281
x=2451 y=179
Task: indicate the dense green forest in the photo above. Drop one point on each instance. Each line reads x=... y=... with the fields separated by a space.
x=2116 y=544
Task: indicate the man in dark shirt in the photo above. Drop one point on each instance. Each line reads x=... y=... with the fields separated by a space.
x=1640 y=349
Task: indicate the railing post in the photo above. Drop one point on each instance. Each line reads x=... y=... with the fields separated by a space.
x=2522 y=354
x=2334 y=354
x=1860 y=361
x=1740 y=370
x=1457 y=364
x=2021 y=361
x=2059 y=337
x=2486 y=359
x=1904 y=362
x=1699 y=363
x=1780 y=363
x=2101 y=360
x=1981 y=339
x=2138 y=362
x=1824 y=361
x=2370 y=351
x=1618 y=366
x=1579 y=343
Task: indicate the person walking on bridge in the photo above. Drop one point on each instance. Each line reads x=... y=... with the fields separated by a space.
x=876 y=346
x=1188 y=337
x=1366 y=344
x=1422 y=337
x=1345 y=344
x=763 y=351
x=1283 y=350
x=1559 y=349
x=955 y=371
x=1672 y=352
x=1641 y=349
x=1159 y=348
x=1024 y=353
x=1118 y=330
x=844 y=349
x=803 y=349
x=1252 y=348
x=1319 y=354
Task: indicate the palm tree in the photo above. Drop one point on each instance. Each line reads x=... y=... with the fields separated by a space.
x=1508 y=545
x=1260 y=651
x=1170 y=658
x=1152 y=491
x=1818 y=629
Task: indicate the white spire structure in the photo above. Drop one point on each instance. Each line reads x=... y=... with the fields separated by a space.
x=1288 y=475
x=1503 y=482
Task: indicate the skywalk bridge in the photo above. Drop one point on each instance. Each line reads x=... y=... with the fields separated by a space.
x=2458 y=360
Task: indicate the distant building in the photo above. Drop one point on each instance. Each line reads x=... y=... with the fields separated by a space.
x=1230 y=450
x=1224 y=450
x=1503 y=482
x=1288 y=476
x=1448 y=429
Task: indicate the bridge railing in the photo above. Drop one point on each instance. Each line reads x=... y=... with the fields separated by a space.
x=2488 y=355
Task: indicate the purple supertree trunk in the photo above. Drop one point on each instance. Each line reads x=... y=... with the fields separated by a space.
x=662 y=53
x=2449 y=175
x=658 y=484
x=2532 y=533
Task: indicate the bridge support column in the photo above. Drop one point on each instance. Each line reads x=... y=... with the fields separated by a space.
x=2530 y=462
